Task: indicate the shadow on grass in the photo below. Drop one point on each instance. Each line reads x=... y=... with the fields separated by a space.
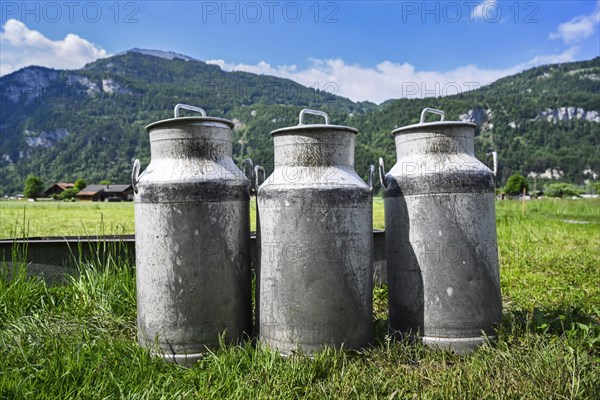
x=581 y=329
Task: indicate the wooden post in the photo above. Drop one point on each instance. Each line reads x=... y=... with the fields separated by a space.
x=523 y=207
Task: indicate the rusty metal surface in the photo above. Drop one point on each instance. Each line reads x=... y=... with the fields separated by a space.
x=441 y=243
x=315 y=273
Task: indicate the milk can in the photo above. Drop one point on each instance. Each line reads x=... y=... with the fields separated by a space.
x=441 y=244
x=192 y=230
x=315 y=275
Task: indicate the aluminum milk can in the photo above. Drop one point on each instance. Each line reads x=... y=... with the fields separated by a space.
x=441 y=244
x=192 y=239
x=315 y=277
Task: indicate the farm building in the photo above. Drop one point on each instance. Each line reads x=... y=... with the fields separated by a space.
x=58 y=188
x=106 y=193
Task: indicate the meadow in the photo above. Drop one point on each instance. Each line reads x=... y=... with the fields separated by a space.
x=77 y=340
x=55 y=218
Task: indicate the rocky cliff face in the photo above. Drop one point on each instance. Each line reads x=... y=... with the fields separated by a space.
x=481 y=117
x=45 y=138
x=90 y=87
x=31 y=84
x=27 y=85
x=565 y=114
x=109 y=86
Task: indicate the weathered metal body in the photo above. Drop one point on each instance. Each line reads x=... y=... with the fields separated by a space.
x=192 y=239
x=441 y=243
x=315 y=215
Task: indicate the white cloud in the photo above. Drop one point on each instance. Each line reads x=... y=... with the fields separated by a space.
x=485 y=10
x=389 y=80
x=578 y=28
x=22 y=47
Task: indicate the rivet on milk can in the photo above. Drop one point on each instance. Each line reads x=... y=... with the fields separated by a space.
x=192 y=229
x=315 y=277
x=441 y=244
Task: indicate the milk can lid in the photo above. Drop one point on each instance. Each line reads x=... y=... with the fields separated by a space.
x=436 y=124
x=302 y=126
x=207 y=121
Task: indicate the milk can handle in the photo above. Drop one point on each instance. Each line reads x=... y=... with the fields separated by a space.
x=371 y=174
x=248 y=163
x=433 y=111
x=382 y=173
x=256 y=176
x=495 y=158
x=187 y=107
x=314 y=112
x=135 y=175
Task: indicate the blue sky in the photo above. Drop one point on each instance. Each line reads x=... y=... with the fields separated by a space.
x=364 y=50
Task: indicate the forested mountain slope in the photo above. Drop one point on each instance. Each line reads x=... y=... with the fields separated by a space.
x=62 y=125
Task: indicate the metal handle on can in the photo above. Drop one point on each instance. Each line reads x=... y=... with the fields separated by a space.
x=188 y=107
x=382 y=173
x=135 y=175
x=371 y=174
x=313 y=112
x=256 y=176
x=494 y=155
x=248 y=163
x=433 y=111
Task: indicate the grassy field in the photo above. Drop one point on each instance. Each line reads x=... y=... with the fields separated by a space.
x=53 y=218
x=78 y=340
x=56 y=218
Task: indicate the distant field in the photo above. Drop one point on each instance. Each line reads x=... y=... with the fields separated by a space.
x=53 y=218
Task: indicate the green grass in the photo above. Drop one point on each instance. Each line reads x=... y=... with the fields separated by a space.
x=545 y=261
x=78 y=340
x=378 y=213
x=55 y=218
x=52 y=218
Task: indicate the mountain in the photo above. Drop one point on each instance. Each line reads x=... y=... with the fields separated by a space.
x=167 y=55
x=543 y=122
x=62 y=125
